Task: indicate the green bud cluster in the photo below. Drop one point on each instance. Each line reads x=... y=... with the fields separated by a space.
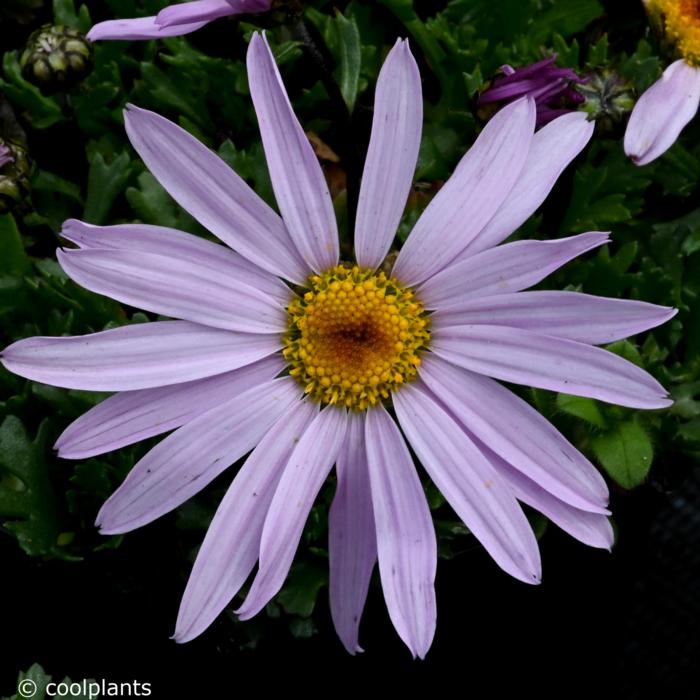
x=609 y=98
x=14 y=176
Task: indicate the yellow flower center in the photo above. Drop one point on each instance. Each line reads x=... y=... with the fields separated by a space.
x=355 y=336
x=681 y=22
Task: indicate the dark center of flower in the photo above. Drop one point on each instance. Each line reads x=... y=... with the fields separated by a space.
x=355 y=336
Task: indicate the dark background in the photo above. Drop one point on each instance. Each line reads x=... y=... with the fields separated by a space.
x=623 y=623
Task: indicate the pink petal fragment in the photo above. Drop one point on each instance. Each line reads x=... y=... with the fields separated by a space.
x=518 y=433
x=213 y=193
x=170 y=242
x=297 y=179
x=471 y=197
x=469 y=483
x=139 y=356
x=405 y=536
x=131 y=416
x=183 y=463
x=582 y=317
x=175 y=287
x=662 y=112
x=352 y=538
x=232 y=543
x=138 y=28
x=593 y=529
x=391 y=157
x=307 y=469
x=546 y=362
x=553 y=148
x=201 y=11
x=507 y=268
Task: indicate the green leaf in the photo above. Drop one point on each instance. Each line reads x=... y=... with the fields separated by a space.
x=64 y=13
x=580 y=407
x=41 y=111
x=625 y=452
x=13 y=259
x=105 y=183
x=350 y=50
x=31 y=684
x=298 y=597
x=27 y=499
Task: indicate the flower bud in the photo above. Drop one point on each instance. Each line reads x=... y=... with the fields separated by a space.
x=608 y=98
x=56 y=58
x=14 y=175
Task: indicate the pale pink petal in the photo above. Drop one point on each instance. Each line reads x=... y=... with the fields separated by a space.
x=662 y=112
x=553 y=148
x=175 y=287
x=391 y=156
x=232 y=543
x=405 y=536
x=593 y=529
x=139 y=356
x=471 y=196
x=518 y=433
x=469 y=483
x=507 y=268
x=307 y=469
x=546 y=362
x=183 y=463
x=213 y=193
x=582 y=317
x=206 y=11
x=176 y=244
x=131 y=416
x=352 y=538
x=138 y=28
x=297 y=179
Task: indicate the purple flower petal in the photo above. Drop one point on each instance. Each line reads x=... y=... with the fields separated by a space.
x=131 y=416
x=183 y=463
x=352 y=538
x=175 y=287
x=593 y=529
x=391 y=157
x=405 y=536
x=308 y=467
x=140 y=356
x=471 y=197
x=507 y=268
x=469 y=483
x=206 y=11
x=214 y=194
x=518 y=433
x=138 y=28
x=232 y=543
x=170 y=242
x=546 y=362
x=297 y=179
x=553 y=148
x=661 y=113
x=582 y=317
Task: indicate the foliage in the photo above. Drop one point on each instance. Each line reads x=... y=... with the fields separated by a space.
x=84 y=167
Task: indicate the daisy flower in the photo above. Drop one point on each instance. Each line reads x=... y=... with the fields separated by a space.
x=346 y=364
x=175 y=20
x=551 y=87
x=671 y=102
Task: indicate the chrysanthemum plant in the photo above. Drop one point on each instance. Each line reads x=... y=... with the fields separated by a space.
x=367 y=364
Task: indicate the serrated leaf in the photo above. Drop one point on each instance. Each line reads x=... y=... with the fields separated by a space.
x=105 y=183
x=625 y=452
